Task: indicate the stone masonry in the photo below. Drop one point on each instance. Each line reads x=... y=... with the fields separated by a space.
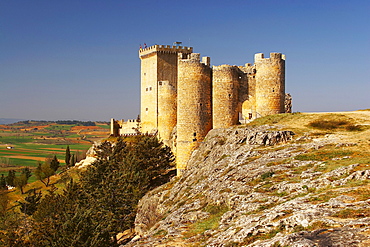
x=183 y=97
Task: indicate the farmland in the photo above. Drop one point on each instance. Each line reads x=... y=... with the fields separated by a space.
x=24 y=143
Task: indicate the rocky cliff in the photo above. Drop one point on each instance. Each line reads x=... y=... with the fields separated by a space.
x=285 y=180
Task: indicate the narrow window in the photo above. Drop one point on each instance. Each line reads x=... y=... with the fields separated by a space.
x=150 y=89
x=146 y=109
x=160 y=83
x=146 y=89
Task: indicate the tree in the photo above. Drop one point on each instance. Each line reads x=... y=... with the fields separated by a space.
x=72 y=162
x=29 y=206
x=103 y=203
x=4 y=203
x=67 y=219
x=3 y=183
x=10 y=178
x=22 y=180
x=44 y=171
x=54 y=163
x=68 y=156
x=122 y=175
x=13 y=228
x=138 y=125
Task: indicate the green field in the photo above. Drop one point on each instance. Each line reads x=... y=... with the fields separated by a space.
x=32 y=142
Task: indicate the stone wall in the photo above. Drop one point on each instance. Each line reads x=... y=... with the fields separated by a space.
x=226 y=87
x=158 y=64
x=120 y=127
x=270 y=84
x=248 y=91
x=167 y=110
x=194 y=106
x=182 y=97
x=149 y=95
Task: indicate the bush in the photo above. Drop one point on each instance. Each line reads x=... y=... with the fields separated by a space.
x=328 y=124
x=103 y=203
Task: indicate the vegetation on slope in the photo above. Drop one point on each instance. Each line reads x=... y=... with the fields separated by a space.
x=305 y=192
x=91 y=210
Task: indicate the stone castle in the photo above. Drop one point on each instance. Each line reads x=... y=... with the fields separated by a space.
x=183 y=96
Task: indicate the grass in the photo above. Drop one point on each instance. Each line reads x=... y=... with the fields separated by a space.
x=314 y=226
x=337 y=122
x=361 y=194
x=260 y=236
x=28 y=148
x=104 y=126
x=352 y=213
x=60 y=127
x=274 y=119
x=210 y=223
x=323 y=195
x=160 y=233
x=326 y=153
x=15 y=139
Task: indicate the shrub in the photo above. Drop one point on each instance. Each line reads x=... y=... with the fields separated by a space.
x=327 y=124
x=267 y=175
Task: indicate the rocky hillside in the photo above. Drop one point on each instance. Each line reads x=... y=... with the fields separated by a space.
x=284 y=180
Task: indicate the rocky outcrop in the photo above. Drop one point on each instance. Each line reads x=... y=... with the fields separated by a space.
x=259 y=187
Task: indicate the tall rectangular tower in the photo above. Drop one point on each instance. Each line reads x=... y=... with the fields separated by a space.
x=159 y=88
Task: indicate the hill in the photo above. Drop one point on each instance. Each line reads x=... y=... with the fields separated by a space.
x=284 y=180
x=9 y=120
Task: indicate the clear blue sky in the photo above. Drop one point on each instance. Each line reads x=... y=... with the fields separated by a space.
x=79 y=60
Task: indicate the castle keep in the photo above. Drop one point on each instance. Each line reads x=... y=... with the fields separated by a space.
x=183 y=96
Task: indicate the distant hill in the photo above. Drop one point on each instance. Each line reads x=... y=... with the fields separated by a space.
x=10 y=120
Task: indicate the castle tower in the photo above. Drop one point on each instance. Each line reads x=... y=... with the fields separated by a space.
x=114 y=127
x=194 y=105
x=158 y=87
x=226 y=86
x=270 y=84
x=167 y=110
x=248 y=92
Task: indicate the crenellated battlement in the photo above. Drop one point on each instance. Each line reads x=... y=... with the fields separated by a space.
x=225 y=67
x=165 y=49
x=259 y=57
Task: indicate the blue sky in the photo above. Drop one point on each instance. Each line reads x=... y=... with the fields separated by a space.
x=79 y=59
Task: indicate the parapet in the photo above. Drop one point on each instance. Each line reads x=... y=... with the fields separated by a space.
x=273 y=56
x=225 y=67
x=165 y=49
x=195 y=56
x=206 y=61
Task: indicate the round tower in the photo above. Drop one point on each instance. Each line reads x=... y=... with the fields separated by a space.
x=167 y=110
x=194 y=106
x=226 y=87
x=270 y=84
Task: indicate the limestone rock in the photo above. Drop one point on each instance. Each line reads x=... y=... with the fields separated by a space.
x=249 y=187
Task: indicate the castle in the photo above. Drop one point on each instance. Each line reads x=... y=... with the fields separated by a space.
x=183 y=96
